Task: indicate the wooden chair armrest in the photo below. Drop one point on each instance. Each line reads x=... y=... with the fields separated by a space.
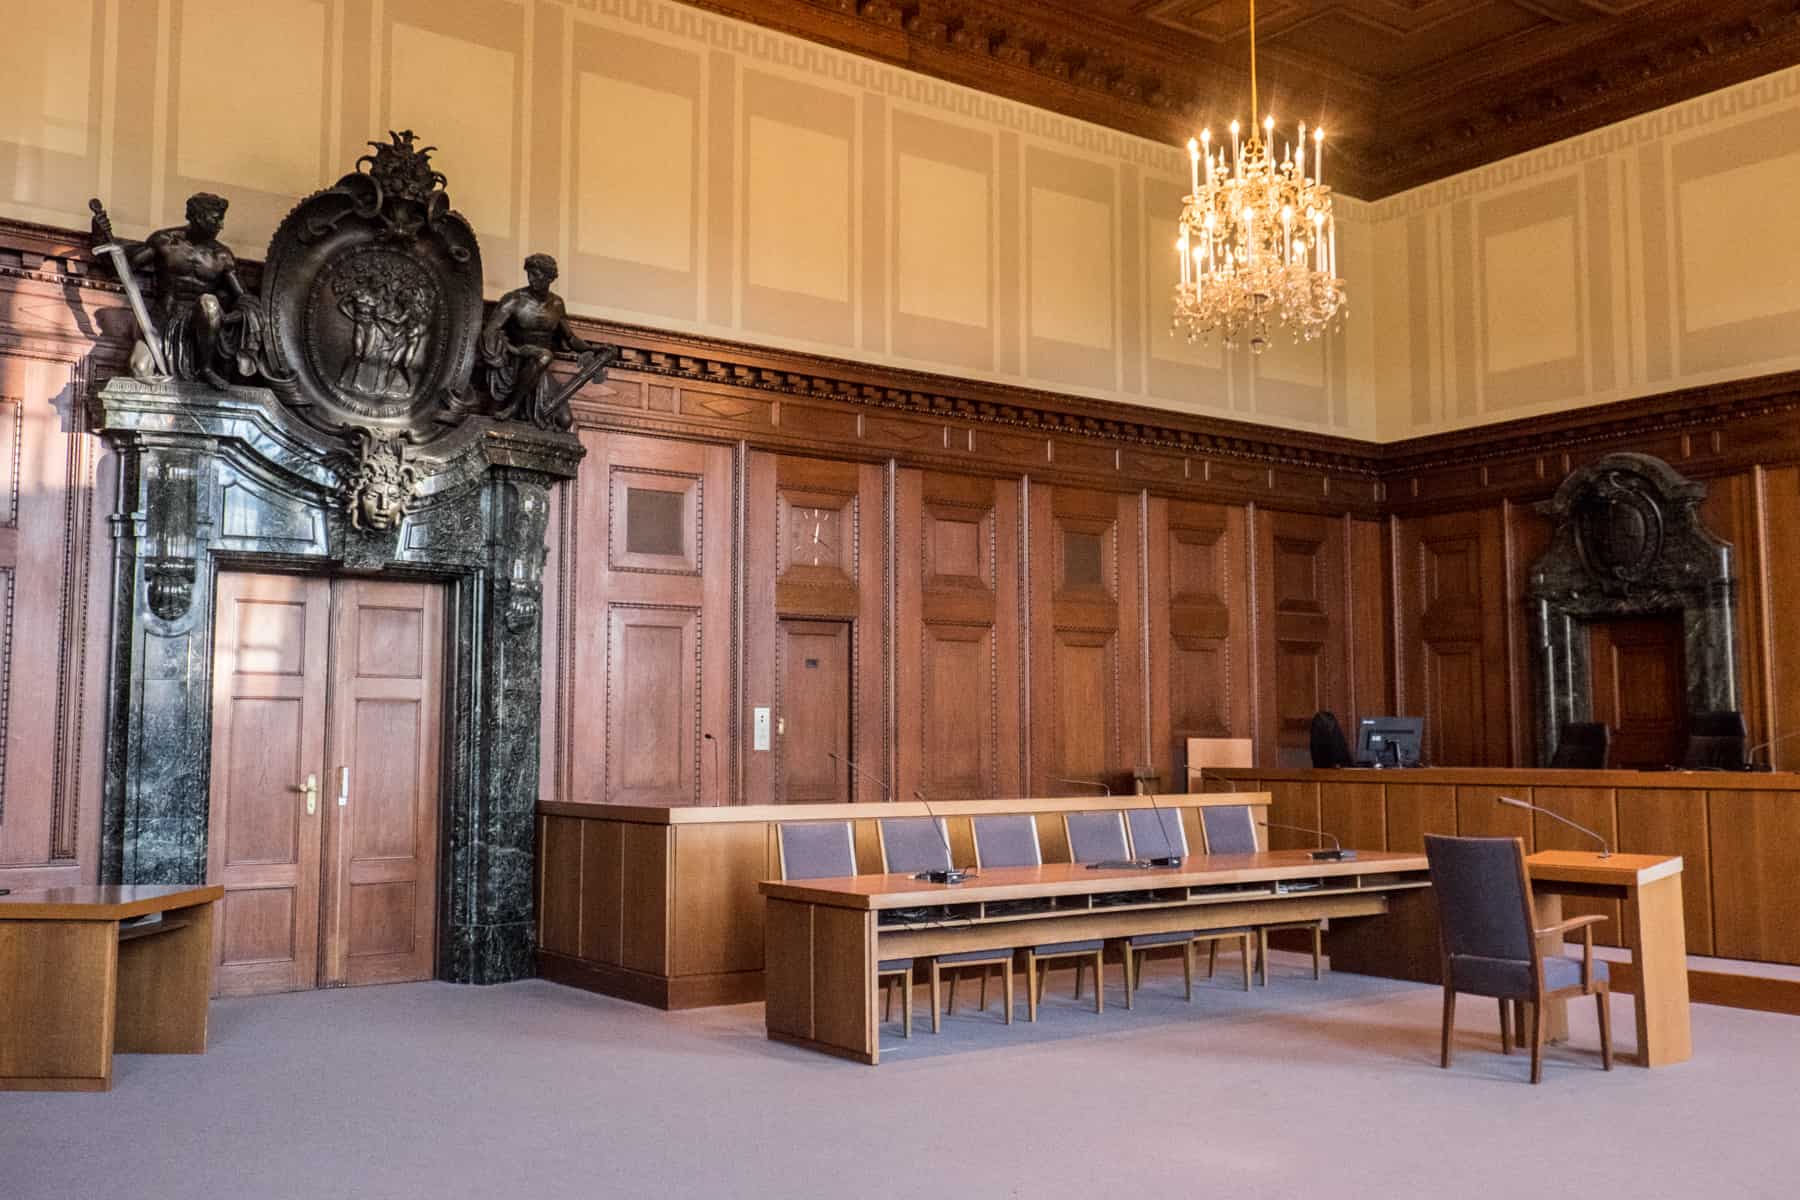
x=1571 y=924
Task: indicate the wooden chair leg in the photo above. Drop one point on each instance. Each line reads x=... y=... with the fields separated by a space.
x=1248 y=956
x=985 y=972
x=1212 y=956
x=1130 y=985
x=906 y=1004
x=1540 y=1013
x=1521 y=1032
x=1006 y=979
x=1031 y=987
x=1601 y=998
x=1449 y=1025
x=1187 y=969
x=1099 y=980
x=887 y=998
x=937 y=992
x=1505 y=1027
x=1262 y=954
x=955 y=974
x=1318 y=949
x=1080 y=963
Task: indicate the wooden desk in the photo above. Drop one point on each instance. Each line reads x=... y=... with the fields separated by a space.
x=1649 y=886
x=659 y=905
x=75 y=986
x=825 y=936
x=1737 y=833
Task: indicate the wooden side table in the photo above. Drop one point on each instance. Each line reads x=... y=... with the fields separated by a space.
x=86 y=971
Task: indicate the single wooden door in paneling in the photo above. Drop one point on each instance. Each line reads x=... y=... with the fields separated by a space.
x=812 y=713
x=270 y=679
x=1639 y=688
x=650 y=543
x=383 y=751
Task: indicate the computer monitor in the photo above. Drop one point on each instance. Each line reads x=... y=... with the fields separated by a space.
x=1389 y=741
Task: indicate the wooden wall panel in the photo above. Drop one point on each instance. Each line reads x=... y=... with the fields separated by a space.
x=815 y=579
x=1355 y=813
x=1197 y=576
x=1755 y=900
x=1086 y=640
x=1777 y=586
x=958 y=656
x=1451 y=635
x=1666 y=821
x=1302 y=639
x=649 y=661
x=1414 y=810
x=53 y=610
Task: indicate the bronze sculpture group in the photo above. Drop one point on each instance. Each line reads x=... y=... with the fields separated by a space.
x=202 y=324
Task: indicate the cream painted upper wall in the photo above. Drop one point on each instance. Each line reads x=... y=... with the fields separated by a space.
x=690 y=172
x=1659 y=253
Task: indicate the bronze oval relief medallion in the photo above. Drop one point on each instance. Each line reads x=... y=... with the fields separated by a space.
x=375 y=324
x=1619 y=527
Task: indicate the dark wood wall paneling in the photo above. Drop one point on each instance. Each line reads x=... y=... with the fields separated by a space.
x=1465 y=531
x=55 y=498
x=1025 y=586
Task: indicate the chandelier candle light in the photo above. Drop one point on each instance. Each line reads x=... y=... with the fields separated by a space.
x=1258 y=243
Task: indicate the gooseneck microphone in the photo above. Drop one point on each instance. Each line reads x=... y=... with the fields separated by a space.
x=951 y=872
x=1337 y=853
x=1750 y=757
x=715 y=757
x=1093 y=783
x=1515 y=802
x=835 y=757
x=1173 y=856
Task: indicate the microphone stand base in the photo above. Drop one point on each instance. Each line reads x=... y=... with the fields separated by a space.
x=1333 y=855
x=953 y=875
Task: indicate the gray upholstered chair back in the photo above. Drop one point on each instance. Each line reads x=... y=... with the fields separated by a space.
x=1230 y=829
x=911 y=844
x=816 y=849
x=1483 y=912
x=1096 y=836
x=1156 y=832
x=1007 y=841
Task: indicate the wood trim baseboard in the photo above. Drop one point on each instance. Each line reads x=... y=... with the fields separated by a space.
x=670 y=993
x=1759 y=993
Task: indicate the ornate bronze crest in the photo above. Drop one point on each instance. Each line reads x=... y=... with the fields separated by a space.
x=374 y=296
x=1619 y=525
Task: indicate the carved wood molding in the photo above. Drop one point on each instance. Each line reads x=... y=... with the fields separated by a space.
x=1704 y=431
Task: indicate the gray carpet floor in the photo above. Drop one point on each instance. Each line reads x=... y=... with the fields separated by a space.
x=534 y=1090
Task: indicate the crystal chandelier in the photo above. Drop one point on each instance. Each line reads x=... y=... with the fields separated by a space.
x=1258 y=243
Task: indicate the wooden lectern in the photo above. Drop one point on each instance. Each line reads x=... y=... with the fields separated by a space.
x=1650 y=887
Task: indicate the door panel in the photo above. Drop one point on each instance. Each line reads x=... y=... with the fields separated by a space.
x=382 y=827
x=813 y=712
x=269 y=699
x=1639 y=688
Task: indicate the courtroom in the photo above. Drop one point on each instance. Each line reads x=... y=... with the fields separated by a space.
x=739 y=598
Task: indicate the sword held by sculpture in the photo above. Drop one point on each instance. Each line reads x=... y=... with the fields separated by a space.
x=204 y=324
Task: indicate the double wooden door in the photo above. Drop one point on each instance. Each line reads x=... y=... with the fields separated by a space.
x=327 y=714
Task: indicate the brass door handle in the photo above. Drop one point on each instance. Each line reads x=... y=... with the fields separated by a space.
x=311 y=790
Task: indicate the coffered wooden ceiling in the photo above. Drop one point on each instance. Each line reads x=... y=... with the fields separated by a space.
x=1408 y=90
